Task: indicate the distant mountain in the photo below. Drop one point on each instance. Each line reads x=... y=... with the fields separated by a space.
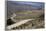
x=14 y=6
x=33 y=4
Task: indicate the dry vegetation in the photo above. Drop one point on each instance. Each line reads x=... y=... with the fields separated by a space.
x=38 y=15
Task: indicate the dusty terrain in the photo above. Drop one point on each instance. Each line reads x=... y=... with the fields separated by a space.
x=38 y=15
x=19 y=13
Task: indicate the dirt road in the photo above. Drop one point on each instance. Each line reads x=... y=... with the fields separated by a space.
x=19 y=23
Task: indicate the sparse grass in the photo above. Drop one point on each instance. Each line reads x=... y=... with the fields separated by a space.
x=28 y=14
x=23 y=17
x=37 y=15
x=24 y=12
